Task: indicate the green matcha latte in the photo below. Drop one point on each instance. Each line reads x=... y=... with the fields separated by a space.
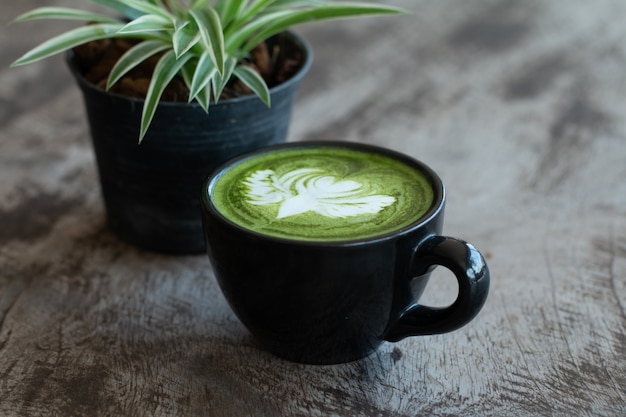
x=322 y=193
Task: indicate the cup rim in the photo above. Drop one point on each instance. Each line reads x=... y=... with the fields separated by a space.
x=436 y=183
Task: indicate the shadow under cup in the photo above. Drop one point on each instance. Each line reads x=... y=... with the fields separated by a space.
x=325 y=302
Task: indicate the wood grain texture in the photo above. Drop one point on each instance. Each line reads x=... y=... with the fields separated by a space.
x=518 y=104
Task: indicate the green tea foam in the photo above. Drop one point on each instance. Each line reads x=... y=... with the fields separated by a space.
x=322 y=193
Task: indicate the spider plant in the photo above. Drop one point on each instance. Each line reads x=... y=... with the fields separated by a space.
x=203 y=41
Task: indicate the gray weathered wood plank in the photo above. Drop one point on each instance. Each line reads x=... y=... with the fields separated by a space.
x=519 y=105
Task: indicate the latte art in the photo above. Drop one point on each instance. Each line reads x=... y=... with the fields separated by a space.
x=307 y=189
x=322 y=193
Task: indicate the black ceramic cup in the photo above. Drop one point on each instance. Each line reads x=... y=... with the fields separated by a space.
x=333 y=302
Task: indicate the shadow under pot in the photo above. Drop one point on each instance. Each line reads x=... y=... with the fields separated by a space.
x=150 y=190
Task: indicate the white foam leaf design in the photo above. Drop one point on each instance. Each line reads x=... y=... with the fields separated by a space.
x=307 y=189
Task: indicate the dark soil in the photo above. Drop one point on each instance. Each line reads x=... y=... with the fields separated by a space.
x=272 y=59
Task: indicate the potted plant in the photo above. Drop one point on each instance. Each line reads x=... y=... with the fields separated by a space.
x=172 y=88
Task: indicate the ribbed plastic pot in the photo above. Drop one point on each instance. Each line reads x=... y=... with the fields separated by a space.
x=151 y=190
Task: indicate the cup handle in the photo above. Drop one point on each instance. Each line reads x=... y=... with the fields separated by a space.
x=472 y=274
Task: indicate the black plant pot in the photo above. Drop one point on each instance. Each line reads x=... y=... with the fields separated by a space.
x=151 y=190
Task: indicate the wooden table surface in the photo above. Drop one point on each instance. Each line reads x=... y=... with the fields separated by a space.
x=519 y=105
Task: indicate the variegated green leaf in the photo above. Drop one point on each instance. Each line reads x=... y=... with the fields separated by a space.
x=177 y=8
x=229 y=10
x=203 y=97
x=255 y=9
x=69 y=40
x=321 y=12
x=64 y=13
x=199 y=4
x=185 y=37
x=292 y=4
x=205 y=70
x=210 y=28
x=147 y=23
x=142 y=6
x=235 y=39
x=133 y=57
x=254 y=81
x=120 y=7
x=219 y=81
x=165 y=70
